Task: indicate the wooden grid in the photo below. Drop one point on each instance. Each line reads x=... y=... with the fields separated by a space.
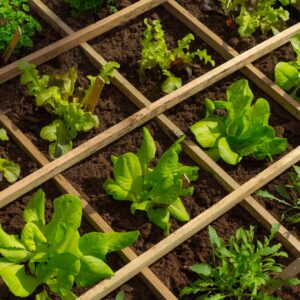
x=148 y=111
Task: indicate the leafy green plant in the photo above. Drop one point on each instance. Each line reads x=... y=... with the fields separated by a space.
x=10 y=170
x=120 y=295
x=243 y=269
x=81 y=6
x=154 y=190
x=55 y=254
x=251 y=15
x=155 y=53
x=236 y=128
x=15 y=13
x=287 y=74
x=290 y=194
x=57 y=94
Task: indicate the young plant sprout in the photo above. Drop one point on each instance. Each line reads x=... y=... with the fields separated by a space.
x=55 y=254
x=155 y=53
x=8 y=169
x=289 y=196
x=241 y=269
x=72 y=106
x=236 y=128
x=81 y=6
x=287 y=74
x=14 y=14
x=268 y=15
x=154 y=190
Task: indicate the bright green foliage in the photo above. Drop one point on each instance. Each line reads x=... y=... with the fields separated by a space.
x=251 y=15
x=240 y=270
x=14 y=13
x=155 y=53
x=120 y=295
x=57 y=94
x=290 y=197
x=81 y=6
x=11 y=171
x=156 y=191
x=287 y=74
x=55 y=253
x=240 y=130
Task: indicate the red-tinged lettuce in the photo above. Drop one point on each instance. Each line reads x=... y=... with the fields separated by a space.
x=287 y=74
x=58 y=95
x=55 y=254
x=251 y=15
x=155 y=53
x=10 y=170
x=154 y=190
x=236 y=128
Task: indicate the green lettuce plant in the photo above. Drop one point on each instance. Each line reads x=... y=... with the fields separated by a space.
x=10 y=170
x=287 y=74
x=58 y=95
x=55 y=254
x=268 y=15
x=155 y=53
x=236 y=128
x=241 y=269
x=154 y=190
x=81 y=6
x=15 y=13
x=289 y=196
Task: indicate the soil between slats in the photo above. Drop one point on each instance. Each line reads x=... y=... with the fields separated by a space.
x=123 y=45
x=193 y=109
x=89 y=176
x=217 y=23
x=12 y=222
x=63 y=10
x=112 y=107
x=173 y=270
x=276 y=209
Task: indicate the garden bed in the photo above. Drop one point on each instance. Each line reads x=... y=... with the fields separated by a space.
x=88 y=173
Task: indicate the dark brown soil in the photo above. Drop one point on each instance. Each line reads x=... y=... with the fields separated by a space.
x=217 y=23
x=20 y=107
x=122 y=44
x=193 y=109
x=89 y=176
x=63 y=10
x=173 y=270
x=276 y=209
x=41 y=39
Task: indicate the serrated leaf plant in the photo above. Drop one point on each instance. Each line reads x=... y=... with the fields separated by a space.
x=154 y=190
x=241 y=269
x=15 y=13
x=10 y=170
x=236 y=128
x=288 y=195
x=58 y=95
x=266 y=15
x=155 y=53
x=287 y=74
x=81 y=6
x=54 y=254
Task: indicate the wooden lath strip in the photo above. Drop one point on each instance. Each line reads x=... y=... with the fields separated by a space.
x=141 y=117
x=254 y=74
x=80 y=36
x=250 y=204
x=188 y=230
x=151 y=280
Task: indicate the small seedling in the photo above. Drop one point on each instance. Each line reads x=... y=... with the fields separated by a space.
x=154 y=190
x=290 y=197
